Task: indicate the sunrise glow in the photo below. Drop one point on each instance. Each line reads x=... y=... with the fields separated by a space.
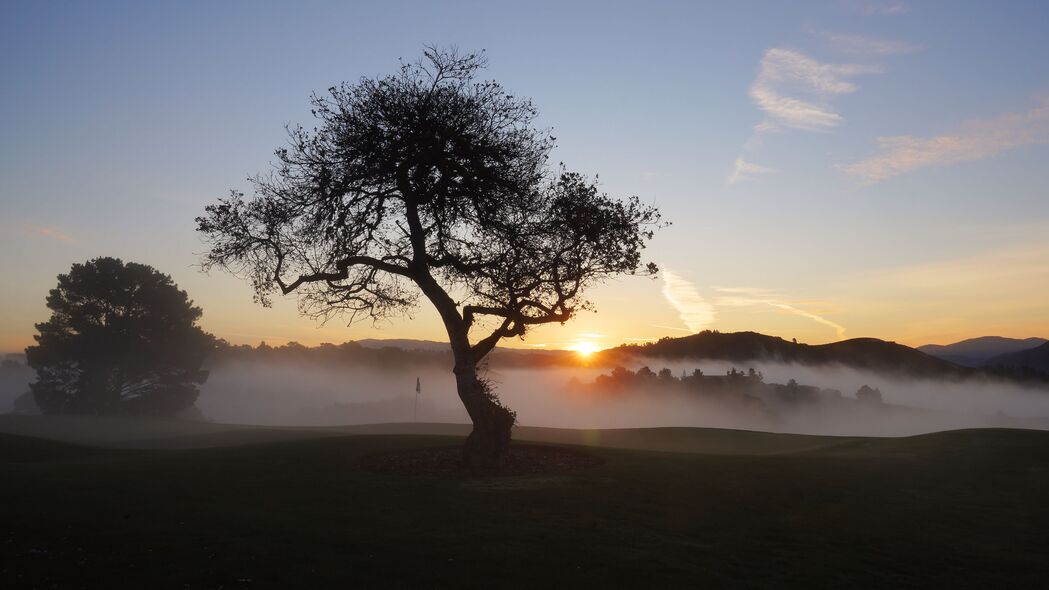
x=584 y=348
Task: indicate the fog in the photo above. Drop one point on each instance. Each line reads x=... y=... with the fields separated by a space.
x=312 y=395
x=288 y=393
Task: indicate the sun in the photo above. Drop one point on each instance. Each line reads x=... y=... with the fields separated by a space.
x=584 y=348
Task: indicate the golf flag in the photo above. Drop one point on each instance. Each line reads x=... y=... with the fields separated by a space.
x=418 y=386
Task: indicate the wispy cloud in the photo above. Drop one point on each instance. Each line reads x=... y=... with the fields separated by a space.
x=838 y=328
x=988 y=289
x=973 y=141
x=678 y=328
x=742 y=170
x=47 y=232
x=751 y=291
x=748 y=296
x=695 y=312
x=786 y=71
x=988 y=274
x=889 y=8
x=862 y=45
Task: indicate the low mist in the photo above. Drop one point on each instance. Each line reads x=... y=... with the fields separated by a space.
x=292 y=394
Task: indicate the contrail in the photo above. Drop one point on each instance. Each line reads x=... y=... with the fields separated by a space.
x=695 y=312
x=745 y=301
x=805 y=314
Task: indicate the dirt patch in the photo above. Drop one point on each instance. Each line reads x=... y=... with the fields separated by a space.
x=520 y=460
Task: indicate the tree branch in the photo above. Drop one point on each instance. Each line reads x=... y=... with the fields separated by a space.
x=343 y=272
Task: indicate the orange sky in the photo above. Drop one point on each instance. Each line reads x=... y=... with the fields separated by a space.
x=997 y=293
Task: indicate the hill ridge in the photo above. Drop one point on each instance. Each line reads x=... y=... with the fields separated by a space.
x=863 y=352
x=977 y=352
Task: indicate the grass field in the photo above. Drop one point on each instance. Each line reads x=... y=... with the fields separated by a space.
x=264 y=508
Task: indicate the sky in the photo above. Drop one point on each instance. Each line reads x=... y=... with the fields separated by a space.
x=832 y=169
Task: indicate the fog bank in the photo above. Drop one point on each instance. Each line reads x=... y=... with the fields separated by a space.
x=290 y=394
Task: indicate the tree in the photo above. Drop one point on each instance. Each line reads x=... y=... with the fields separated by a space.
x=621 y=375
x=869 y=395
x=430 y=182
x=122 y=339
x=644 y=373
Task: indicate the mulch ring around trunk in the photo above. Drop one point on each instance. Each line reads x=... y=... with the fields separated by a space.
x=519 y=460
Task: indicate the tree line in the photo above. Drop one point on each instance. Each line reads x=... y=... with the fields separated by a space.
x=733 y=383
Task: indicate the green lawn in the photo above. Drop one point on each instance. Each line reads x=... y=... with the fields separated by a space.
x=964 y=508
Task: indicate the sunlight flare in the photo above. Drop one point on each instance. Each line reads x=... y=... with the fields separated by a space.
x=584 y=348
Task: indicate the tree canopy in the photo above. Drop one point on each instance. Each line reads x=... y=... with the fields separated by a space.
x=121 y=339
x=429 y=182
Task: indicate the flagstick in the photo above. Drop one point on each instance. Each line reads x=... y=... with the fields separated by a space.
x=415 y=407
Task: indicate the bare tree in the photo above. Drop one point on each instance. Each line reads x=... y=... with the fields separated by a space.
x=430 y=181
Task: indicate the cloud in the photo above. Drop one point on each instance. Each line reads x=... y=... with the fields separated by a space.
x=862 y=45
x=975 y=140
x=47 y=232
x=695 y=312
x=987 y=289
x=746 y=170
x=879 y=8
x=752 y=291
x=787 y=71
x=747 y=296
x=838 y=328
x=671 y=328
x=1019 y=269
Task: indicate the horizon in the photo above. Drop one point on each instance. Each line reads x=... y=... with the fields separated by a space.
x=585 y=352
x=835 y=170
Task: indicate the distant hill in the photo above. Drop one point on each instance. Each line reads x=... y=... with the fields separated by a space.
x=888 y=358
x=500 y=356
x=390 y=354
x=1036 y=358
x=862 y=353
x=976 y=352
x=404 y=344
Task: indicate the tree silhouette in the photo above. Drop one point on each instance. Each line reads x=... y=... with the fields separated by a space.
x=122 y=339
x=868 y=394
x=430 y=182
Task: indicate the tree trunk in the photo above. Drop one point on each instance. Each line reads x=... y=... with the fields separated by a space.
x=489 y=441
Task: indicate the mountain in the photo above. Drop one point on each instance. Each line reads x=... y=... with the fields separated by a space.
x=1036 y=358
x=976 y=352
x=861 y=353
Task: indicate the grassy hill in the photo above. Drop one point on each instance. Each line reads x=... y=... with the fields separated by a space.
x=861 y=353
x=743 y=509
x=146 y=433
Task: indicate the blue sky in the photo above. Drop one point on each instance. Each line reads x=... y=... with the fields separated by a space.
x=755 y=127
